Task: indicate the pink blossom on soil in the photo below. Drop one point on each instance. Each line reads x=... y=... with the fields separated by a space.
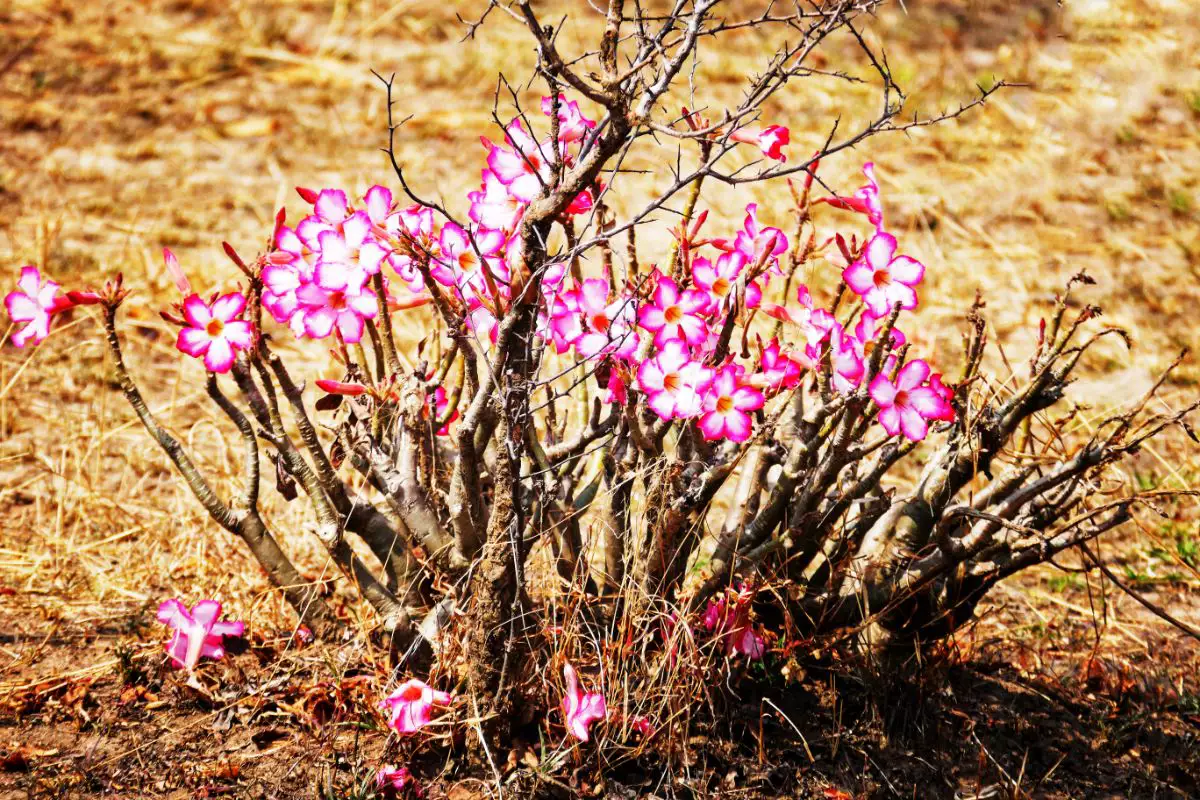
x=410 y=707
x=580 y=708
x=198 y=633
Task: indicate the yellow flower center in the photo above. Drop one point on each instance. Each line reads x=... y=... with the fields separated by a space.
x=214 y=327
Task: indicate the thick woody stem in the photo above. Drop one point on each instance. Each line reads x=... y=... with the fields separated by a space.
x=245 y=523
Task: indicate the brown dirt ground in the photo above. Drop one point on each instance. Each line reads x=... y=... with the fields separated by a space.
x=127 y=126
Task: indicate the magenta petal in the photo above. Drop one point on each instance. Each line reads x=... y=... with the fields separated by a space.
x=712 y=425
x=332 y=205
x=928 y=403
x=593 y=295
x=880 y=249
x=651 y=318
x=663 y=404
x=229 y=306
x=882 y=392
x=912 y=424
x=196 y=312
x=172 y=612
x=240 y=334
x=907 y=270
x=193 y=341
x=206 y=612
x=30 y=281
x=21 y=308
x=378 y=200
x=219 y=357
x=860 y=277
x=889 y=418
x=912 y=375
x=737 y=426
x=351 y=326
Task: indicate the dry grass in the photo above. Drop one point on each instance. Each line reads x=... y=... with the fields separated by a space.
x=129 y=126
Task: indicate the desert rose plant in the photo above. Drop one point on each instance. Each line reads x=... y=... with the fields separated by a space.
x=619 y=466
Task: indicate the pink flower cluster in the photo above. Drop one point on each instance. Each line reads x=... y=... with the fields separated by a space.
x=663 y=340
x=320 y=277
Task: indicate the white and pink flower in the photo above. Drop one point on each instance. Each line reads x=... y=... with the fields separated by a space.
x=673 y=382
x=883 y=278
x=213 y=331
x=675 y=314
x=728 y=403
x=33 y=303
x=771 y=140
x=906 y=405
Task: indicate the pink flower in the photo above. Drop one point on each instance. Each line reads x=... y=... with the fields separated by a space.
x=288 y=267
x=493 y=207
x=572 y=124
x=673 y=382
x=727 y=404
x=865 y=199
x=320 y=311
x=847 y=361
x=391 y=781
x=728 y=618
x=904 y=406
x=720 y=279
x=411 y=705
x=780 y=369
x=947 y=395
x=34 y=303
x=753 y=240
x=214 y=333
x=675 y=314
x=585 y=318
x=198 y=633
x=882 y=278
x=580 y=708
x=524 y=166
x=459 y=264
x=771 y=140
x=616 y=391
x=349 y=255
